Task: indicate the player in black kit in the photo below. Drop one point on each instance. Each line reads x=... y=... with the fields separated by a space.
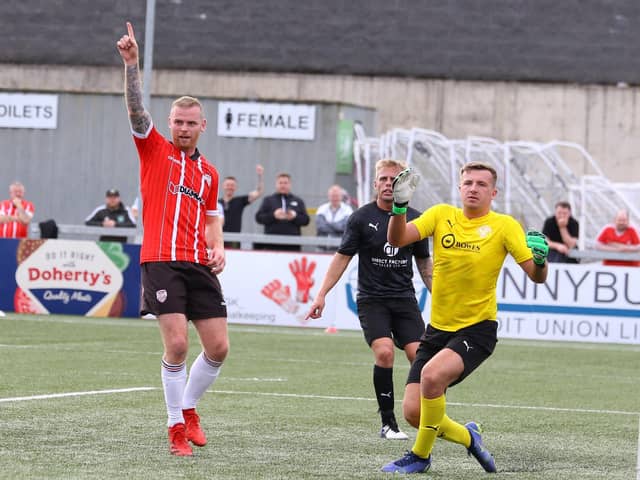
x=387 y=305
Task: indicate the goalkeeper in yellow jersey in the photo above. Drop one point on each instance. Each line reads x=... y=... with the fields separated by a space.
x=470 y=245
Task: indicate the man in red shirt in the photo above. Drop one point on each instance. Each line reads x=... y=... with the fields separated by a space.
x=15 y=213
x=619 y=237
x=182 y=250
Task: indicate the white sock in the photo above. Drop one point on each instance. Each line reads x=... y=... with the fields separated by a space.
x=203 y=373
x=174 y=378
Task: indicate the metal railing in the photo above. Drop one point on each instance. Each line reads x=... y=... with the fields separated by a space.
x=84 y=232
x=532 y=176
x=308 y=243
x=246 y=240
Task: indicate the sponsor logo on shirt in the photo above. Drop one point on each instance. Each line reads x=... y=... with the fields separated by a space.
x=176 y=189
x=449 y=241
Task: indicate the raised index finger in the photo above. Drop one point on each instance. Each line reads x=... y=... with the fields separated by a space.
x=130 y=31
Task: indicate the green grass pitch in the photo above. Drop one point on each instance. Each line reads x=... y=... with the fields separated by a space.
x=80 y=398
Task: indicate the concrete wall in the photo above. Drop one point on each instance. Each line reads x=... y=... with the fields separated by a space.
x=604 y=119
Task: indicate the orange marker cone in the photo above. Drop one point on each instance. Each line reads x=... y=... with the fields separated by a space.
x=331 y=329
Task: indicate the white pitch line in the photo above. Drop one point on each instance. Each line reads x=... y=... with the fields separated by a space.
x=75 y=394
x=326 y=397
x=292 y=395
x=255 y=379
x=488 y=405
x=549 y=409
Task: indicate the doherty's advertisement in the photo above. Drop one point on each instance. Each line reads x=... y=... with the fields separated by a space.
x=69 y=277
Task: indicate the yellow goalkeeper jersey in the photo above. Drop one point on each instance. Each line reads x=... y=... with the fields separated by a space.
x=468 y=255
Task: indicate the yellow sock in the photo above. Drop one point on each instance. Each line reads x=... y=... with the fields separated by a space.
x=431 y=414
x=454 y=432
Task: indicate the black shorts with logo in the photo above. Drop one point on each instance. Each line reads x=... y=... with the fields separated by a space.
x=182 y=287
x=474 y=344
x=396 y=318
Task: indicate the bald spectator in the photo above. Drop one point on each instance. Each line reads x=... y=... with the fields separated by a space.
x=15 y=213
x=619 y=237
x=331 y=217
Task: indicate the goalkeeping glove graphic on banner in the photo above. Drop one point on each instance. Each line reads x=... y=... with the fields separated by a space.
x=281 y=294
x=303 y=275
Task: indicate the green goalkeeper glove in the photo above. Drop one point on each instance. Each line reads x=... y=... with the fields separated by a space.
x=537 y=242
x=403 y=187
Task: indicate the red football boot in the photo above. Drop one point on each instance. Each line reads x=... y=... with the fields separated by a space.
x=194 y=432
x=178 y=444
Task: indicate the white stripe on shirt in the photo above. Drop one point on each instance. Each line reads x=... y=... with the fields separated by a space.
x=176 y=213
x=196 y=229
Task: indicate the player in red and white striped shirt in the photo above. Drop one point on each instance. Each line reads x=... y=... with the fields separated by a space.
x=15 y=213
x=182 y=250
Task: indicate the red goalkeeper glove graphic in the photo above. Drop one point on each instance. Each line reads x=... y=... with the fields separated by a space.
x=303 y=275
x=281 y=294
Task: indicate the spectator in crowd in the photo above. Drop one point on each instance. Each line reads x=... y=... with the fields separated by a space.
x=619 y=237
x=282 y=213
x=112 y=214
x=469 y=248
x=182 y=250
x=331 y=217
x=233 y=205
x=561 y=231
x=387 y=307
x=15 y=213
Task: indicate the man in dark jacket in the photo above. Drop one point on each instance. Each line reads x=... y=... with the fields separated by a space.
x=282 y=213
x=112 y=214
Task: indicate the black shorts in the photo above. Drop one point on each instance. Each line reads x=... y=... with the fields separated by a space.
x=396 y=318
x=474 y=344
x=182 y=287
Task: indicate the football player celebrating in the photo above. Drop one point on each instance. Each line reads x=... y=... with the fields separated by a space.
x=470 y=245
x=182 y=250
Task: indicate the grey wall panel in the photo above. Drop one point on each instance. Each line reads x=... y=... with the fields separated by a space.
x=67 y=171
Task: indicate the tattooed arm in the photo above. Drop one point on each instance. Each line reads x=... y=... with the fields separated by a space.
x=128 y=48
x=425 y=267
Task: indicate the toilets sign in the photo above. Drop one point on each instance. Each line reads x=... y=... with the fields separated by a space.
x=25 y=110
x=266 y=120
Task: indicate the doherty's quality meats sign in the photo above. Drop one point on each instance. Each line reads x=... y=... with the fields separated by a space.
x=76 y=277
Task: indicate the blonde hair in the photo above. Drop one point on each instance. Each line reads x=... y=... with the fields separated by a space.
x=389 y=163
x=187 y=102
x=480 y=166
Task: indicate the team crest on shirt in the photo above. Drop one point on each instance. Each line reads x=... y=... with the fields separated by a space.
x=161 y=295
x=484 y=231
x=207 y=179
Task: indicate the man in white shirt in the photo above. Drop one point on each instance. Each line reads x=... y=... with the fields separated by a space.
x=331 y=217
